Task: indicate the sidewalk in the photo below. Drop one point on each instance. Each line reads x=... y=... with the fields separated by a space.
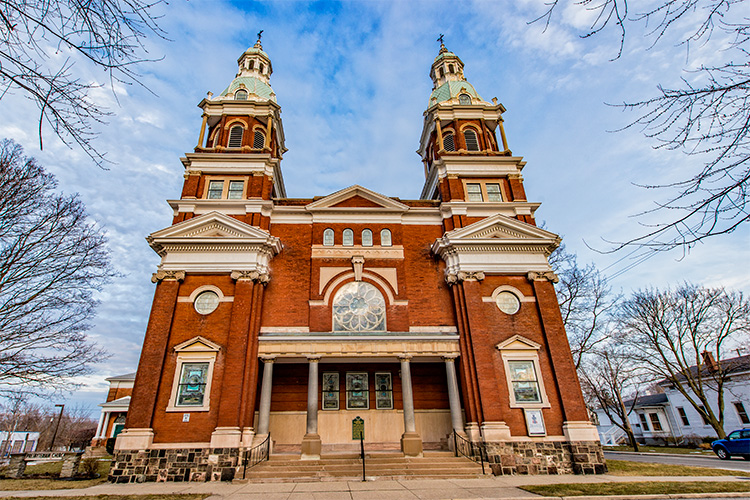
x=432 y=489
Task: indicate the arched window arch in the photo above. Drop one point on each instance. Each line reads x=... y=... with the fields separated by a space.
x=385 y=238
x=358 y=307
x=464 y=99
x=240 y=95
x=472 y=144
x=450 y=69
x=348 y=237
x=448 y=142
x=366 y=238
x=262 y=68
x=259 y=139
x=328 y=237
x=251 y=65
x=442 y=72
x=235 y=136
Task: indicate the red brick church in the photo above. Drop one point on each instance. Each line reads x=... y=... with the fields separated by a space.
x=292 y=317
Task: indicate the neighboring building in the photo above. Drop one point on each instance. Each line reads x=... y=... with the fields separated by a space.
x=18 y=442
x=114 y=409
x=671 y=418
x=297 y=317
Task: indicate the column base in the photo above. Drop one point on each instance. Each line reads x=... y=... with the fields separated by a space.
x=495 y=431
x=226 y=437
x=135 y=439
x=248 y=433
x=311 y=446
x=472 y=431
x=411 y=444
x=580 y=431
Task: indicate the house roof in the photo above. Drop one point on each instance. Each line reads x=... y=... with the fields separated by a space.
x=728 y=366
x=122 y=378
x=649 y=400
x=123 y=402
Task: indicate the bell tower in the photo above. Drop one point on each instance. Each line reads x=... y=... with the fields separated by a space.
x=466 y=167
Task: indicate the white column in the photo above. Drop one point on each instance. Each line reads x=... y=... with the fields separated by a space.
x=99 y=430
x=264 y=412
x=453 y=400
x=411 y=442
x=312 y=395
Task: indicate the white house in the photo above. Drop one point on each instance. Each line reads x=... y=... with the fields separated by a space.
x=18 y=442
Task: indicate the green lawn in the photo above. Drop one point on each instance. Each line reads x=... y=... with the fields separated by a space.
x=661 y=449
x=52 y=469
x=636 y=488
x=625 y=468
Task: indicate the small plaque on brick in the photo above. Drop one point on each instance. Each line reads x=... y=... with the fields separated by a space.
x=358 y=428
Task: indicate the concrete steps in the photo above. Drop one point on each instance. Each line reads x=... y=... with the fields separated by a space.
x=348 y=466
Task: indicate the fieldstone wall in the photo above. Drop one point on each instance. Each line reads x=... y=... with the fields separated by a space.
x=546 y=457
x=180 y=464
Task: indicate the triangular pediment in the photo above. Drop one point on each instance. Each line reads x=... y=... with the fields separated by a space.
x=211 y=225
x=518 y=343
x=502 y=227
x=197 y=344
x=357 y=198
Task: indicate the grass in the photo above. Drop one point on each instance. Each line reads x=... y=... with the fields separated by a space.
x=636 y=488
x=124 y=497
x=662 y=449
x=44 y=477
x=625 y=468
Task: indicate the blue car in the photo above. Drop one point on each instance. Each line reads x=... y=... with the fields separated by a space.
x=737 y=443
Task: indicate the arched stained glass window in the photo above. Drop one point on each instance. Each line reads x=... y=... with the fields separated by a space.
x=259 y=139
x=385 y=238
x=366 y=238
x=240 y=95
x=328 y=237
x=472 y=144
x=448 y=143
x=235 y=136
x=358 y=307
x=348 y=237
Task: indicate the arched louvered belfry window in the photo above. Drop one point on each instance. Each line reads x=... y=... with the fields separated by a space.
x=448 y=142
x=259 y=139
x=472 y=144
x=240 y=95
x=235 y=136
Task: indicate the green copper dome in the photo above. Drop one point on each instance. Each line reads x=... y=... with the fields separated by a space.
x=451 y=89
x=253 y=86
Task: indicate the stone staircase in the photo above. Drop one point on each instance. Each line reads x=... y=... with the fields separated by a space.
x=348 y=467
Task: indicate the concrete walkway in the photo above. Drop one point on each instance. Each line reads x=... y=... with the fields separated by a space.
x=427 y=489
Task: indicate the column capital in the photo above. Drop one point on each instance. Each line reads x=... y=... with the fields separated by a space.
x=256 y=276
x=405 y=357
x=542 y=276
x=457 y=277
x=268 y=359
x=162 y=275
x=314 y=359
x=449 y=357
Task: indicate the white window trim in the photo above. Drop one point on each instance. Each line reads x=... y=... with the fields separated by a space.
x=519 y=348
x=195 y=350
x=225 y=187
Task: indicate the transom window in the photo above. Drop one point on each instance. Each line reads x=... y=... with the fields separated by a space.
x=358 y=307
x=385 y=238
x=192 y=388
x=235 y=136
x=348 y=237
x=524 y=381
x=240 y=95
x=328 y=237
x=259 y=140
x=448 y=142
x=464 y=99
x=472 y=144
x=366 y=238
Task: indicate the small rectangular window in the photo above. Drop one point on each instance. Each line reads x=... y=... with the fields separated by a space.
x=644 y=422
x=493 y=192
x=655 y=423
x=741 y=412
x=235 y=190
x=705 y=420
x=215 y=190
x=524 y=381
x=683 y=416
x=192 y=388
x=474 y=192
x=383 y=391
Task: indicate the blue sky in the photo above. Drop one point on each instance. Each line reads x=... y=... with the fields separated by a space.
x=352 y=79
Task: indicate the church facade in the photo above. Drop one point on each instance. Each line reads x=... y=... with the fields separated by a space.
x=292 y=318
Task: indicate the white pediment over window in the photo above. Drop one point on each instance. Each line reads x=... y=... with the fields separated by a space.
x=362 y=199
x=518 y=343
x=210 y=225
x=198 y=344
x=503 y=227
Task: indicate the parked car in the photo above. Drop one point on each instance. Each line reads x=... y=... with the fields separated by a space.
x=737 y=443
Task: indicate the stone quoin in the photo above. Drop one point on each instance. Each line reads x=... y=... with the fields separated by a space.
x=294 y=317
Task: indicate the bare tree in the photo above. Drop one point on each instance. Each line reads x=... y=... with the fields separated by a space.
x=587 y=303
x=707 y=116
x=41 y=41
x=52 y=260
x=681 y=335
x=608 y=377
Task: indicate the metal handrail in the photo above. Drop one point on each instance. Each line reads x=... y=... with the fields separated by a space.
x=256 y=455
x=362 y=453
x=471 y=450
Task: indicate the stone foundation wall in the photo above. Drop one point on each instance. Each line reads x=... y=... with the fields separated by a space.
x=180 y=464
x=550 y=457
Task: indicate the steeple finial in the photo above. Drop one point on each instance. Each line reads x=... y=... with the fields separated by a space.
x=442 y=44
x=257 y=44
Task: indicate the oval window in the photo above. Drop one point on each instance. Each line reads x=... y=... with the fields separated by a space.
x=508 y=302
x=206 y=302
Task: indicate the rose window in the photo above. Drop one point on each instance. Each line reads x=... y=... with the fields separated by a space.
x=358 y=307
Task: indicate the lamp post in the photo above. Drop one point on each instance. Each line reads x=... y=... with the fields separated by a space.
x=54 y=435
